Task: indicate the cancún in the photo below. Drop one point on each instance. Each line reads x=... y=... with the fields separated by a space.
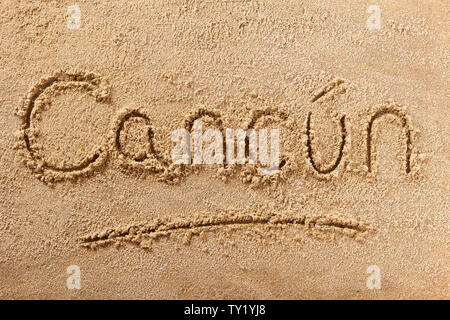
x=209 y=147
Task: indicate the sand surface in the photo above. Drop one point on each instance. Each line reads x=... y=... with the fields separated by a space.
x=85 y=149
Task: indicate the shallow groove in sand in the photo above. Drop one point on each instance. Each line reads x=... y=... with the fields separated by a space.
x=134 y=234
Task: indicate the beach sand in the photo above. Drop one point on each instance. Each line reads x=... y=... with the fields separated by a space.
x=91 y=92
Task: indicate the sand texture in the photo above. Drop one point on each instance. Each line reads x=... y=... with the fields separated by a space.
x=86 y=171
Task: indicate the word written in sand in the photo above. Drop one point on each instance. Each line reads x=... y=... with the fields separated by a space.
x=170 y=169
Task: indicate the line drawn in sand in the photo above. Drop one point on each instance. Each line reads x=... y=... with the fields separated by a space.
x=143 y=234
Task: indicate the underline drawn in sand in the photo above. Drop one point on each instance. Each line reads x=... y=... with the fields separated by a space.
x=143 y=234
x=154 y=160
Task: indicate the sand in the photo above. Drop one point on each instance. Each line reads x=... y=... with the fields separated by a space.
x=87 y=177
